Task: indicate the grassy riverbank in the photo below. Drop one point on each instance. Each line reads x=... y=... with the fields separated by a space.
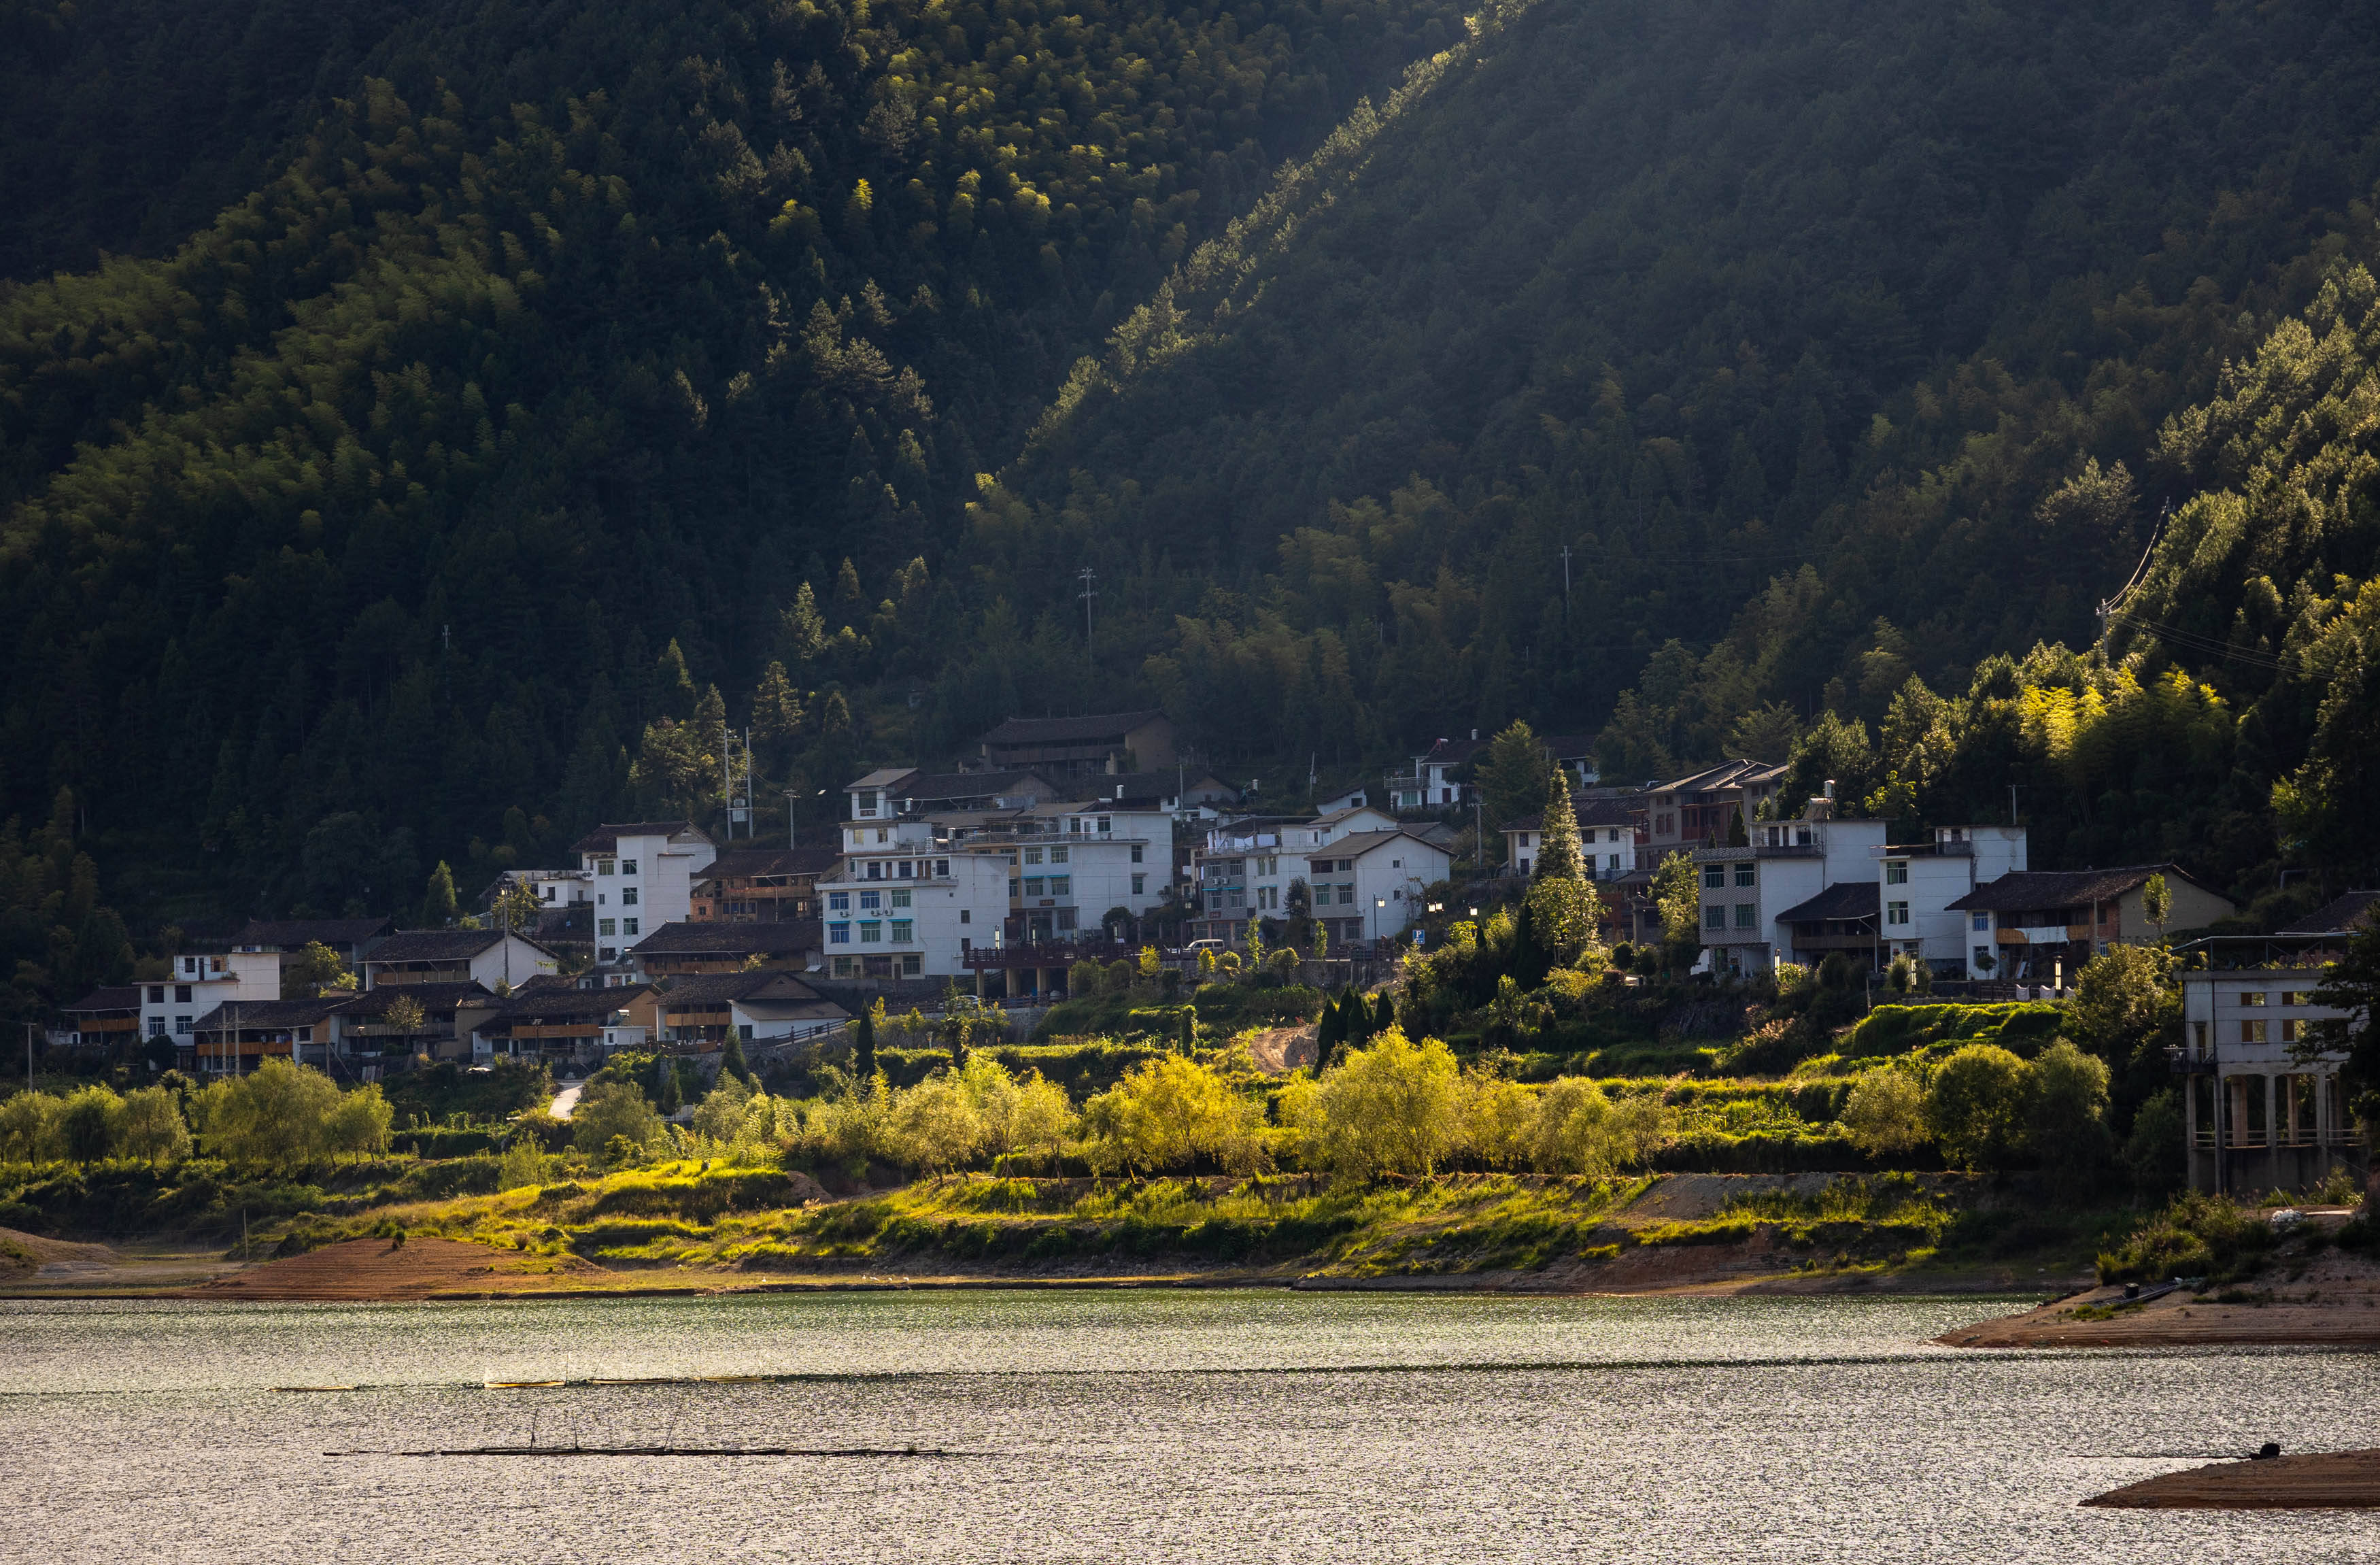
x=686 y=1224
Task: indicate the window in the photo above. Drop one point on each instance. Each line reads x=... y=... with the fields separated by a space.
x=627 y=925
x=627 y=896
x=1239 y=868
x=1983 y=924
x=2252 y=997
x=2198 y=1031
x=1015 y=888
x=966 y=915
x=156 y=1026
x=1107 y=825
x=1611 y=834
x=876 y=869
x=1896 y=912
x=941 y=869
x=1059 y=855
x=1139 y=885
x=845 y=966
x=903 y=898
x=607 y=927
x=2251 y=1032
x=1346 y=890
x=1896 y=872
x=181 y=994
x=902 y=931
x=1215 y=900
x=2296 y=997
x=912 y=964
x=1747 y=874
x=607 y=953
x=1237 y=896
x=838 y=934
x=1615 y=862
x=1714 y=875
x=548 y=893
x=1714 y=916
x=182 y=1024
x=627 y=867
x=1062 y=885
x=1032 y=855
x=870 y=902
x=1983 y=954
x=1037 y=885
x=2292 y=1030
x=870 y=932
x=838 y=902
x=156 y=994
x=1066 y=920
x=864 y=803
x=602 y=867
x=1747 y=915
x=1524 y=839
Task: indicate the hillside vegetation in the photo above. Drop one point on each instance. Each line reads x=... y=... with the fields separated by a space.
x=571 y=382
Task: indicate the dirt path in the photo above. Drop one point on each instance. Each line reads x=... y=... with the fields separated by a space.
x=1282 y=1049
x=565 y=1101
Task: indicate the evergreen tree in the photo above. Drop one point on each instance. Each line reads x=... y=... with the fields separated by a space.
x=1512 y=777
x=438 y=901
x=863 y=1045
x=1559 y=856
x=1384 y=1012
x=1327 y=1031
x=731 y=1060
x=665 y=1093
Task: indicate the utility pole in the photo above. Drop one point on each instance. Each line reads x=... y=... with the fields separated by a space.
x=1086 y=575
x=2011 y=804
x=1565 y=559
x=789 y=818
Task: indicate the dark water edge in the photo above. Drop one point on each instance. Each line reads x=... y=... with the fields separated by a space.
x=1105 y=1427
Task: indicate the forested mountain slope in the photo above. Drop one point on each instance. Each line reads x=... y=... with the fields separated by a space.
x=362 y=522
x=1834 y=342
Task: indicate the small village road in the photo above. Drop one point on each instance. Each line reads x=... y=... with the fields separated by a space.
x=566 y=1099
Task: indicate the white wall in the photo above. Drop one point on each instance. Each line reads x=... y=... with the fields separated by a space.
x=200 y=983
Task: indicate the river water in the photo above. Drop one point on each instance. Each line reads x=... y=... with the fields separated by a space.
x=1089 y=1426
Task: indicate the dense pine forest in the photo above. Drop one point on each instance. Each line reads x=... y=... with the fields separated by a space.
x=420 y=431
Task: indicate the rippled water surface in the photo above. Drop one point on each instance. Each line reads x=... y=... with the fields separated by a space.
x=1133 y=1426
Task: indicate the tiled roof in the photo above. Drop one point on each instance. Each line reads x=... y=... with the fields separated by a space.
x=1598 y=810
x=434 y=945
x=742 y=939
x=430 y=996
x=115 y=996
x=603 y=839
x=1726 y=774
x=1453 y=752
x=2337 y=916
x=2024 y=890
x=940 y=787
x=1844 y=899
x=250 y=1014
x=527 y=1006
x=1068 y=730
x=1355 y=844
x=734 y=986
x=293 y=934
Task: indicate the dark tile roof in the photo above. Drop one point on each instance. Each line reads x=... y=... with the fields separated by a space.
x=251 y=1013
x=431 y=998
x=2024 y=890
x=714 y=987
x=692 y=939
x=1726 y=774
x=528 y=1005
x=745 y=863
x=1844 y=899
x=1453 y=752
x=1355 y=844
x=603 y=839
x=114 y=997
x=2339 y=916
x=1068 y=730
x=1599 y=811
x=434 y=945
x=294 y=934
x=944 y=788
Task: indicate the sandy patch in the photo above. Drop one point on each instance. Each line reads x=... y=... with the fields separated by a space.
x=2334 y=1302
x=378 y=1268
x=2319 y=1480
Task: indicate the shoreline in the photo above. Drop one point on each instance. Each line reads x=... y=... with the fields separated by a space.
x=441 y=1270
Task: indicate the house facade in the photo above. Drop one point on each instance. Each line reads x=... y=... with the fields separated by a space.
x=762 y=885
x=1607 y=835
x=2040 y=927
x=1069 y=747
x=642 y=874
x=1434 y=783
x=492 y=958
x=200 y=982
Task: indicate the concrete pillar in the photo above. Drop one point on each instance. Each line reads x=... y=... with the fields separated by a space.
x=2190 y=1132
x=2273 y=1127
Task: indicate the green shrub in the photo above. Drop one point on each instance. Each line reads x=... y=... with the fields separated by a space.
x=2196 y=1236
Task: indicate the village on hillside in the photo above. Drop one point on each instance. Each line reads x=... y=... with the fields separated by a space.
x=1061 y=846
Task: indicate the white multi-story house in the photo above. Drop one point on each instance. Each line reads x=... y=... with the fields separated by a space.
x=1431 y=783
x=642 y=876
x=928 y=891
x=2040 y=927
x=175 y=1007
x=1919 y=886
x=1800 y=890
x=1369 y=885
